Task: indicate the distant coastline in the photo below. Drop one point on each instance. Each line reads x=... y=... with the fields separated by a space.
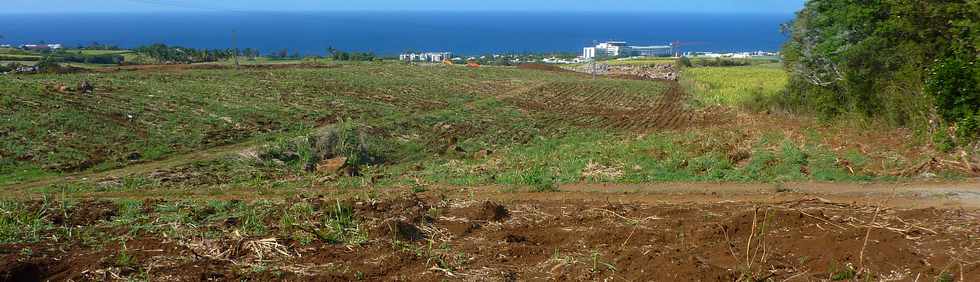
x=391 y=33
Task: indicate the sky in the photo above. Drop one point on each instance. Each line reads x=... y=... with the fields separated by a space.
x=143 y=6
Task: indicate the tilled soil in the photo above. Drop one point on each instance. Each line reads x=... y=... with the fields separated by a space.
x=585 y=105
x=436 y=237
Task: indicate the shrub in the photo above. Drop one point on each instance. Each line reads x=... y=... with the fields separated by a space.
x=345 y=139
x=953 y=82
x=540 y=179
x=685 y=62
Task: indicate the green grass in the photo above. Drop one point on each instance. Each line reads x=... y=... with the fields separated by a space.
x=25 y=63
x=734 y=85
x=416 y=119
x=156 y=114
x=99 y=52
x=641 y=61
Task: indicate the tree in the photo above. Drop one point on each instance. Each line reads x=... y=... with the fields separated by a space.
x=875 y=57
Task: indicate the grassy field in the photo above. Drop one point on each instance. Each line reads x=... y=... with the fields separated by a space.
x=431 y=125
x=641 y=61
x=179 y=172
x=734 y=85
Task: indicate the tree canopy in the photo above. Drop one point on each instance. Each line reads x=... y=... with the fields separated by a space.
x=909 y=61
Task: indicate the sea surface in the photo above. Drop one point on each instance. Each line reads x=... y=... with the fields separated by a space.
x=389 y=33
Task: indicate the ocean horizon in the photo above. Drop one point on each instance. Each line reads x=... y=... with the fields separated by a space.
x=390 y=33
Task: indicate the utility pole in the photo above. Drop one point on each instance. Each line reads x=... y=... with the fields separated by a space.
x=234 y=44
x=595 y=56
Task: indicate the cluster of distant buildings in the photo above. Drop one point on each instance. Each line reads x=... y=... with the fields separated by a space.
x=35 y=47
x=739 y=55
x=604 y=50
x=615 y=49
x=426 y=57
x=620 y=49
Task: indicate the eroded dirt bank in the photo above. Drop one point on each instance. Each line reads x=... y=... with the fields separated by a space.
x=794 y=234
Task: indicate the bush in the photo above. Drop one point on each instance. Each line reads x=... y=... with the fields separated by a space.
x=540 y=179
x=345 y=139
x=685 y=62
x=9 y=67
x=953 y=83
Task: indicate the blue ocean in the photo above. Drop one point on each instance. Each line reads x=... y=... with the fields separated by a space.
x=388 y=33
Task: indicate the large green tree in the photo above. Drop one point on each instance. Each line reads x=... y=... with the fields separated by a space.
x=895 y=59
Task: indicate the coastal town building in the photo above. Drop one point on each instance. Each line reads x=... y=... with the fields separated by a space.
x=739 y=55
x=425 y=57
x=622 y=49
x=37 y=47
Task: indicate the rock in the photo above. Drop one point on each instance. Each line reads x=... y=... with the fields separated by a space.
x=134 y=156
x=494 y=211
x=400 y=230
x=85 y=87
x=331 y=165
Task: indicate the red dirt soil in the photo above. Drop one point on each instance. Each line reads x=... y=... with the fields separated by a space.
x=437 y=237
x=585 y=105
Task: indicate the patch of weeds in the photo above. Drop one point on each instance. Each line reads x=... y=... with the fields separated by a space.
x=946 y=277
x=252 y=219
x=156 y=152
x=418 y=187
x=20 y=223
x=174 y=219
x=343 y=226
x=540 y=179
x=841 y=273
x=296 y=215
x=124 y=258
x=132 y=216
x=597 y=262
x=791 y=161
x=434 y=212
x=337 y=225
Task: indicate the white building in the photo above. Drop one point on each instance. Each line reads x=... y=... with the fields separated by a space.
x=425 y=57
x=621 y=49
x=41 y=46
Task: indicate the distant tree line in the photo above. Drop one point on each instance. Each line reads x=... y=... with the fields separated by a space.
x=339 y=55
x=285 y=54
x=715 y=62
x=98 y=46
x=183 y=55
x=104 y=59
x=65 y=57
x=909 y=62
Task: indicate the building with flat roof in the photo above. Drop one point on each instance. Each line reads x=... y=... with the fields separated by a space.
x=37 y=47
x=621 y=49
x=425 y=57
